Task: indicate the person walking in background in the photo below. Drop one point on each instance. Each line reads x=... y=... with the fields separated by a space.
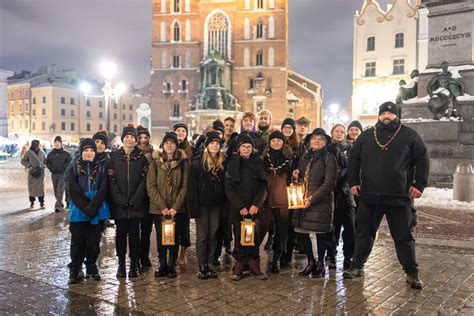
x=57 y=162
x=34 y=161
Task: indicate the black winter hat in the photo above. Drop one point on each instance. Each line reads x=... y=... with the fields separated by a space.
x=355 y=123
x=178 y=125
x=277 y=134
x=322 y=132
x=389 y=107
x=58 y=139
x=170 y=136
x=142 y=130
x=212 y=136
x=244 y=138
x=87 y=143
x=101 y=135
x=129 y=130
x=289 y=121
x=217 y=125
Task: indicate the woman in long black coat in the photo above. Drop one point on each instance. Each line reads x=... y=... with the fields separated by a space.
x=318 y=169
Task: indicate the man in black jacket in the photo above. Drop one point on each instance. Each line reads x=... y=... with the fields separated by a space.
x=57 y=162
x=385 y=161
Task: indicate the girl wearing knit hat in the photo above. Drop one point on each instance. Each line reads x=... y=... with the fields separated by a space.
x=167 y=184
x=354 y=129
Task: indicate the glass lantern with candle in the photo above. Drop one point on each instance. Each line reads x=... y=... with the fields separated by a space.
x=167 y=232
x=247 y=232
x=295 y=194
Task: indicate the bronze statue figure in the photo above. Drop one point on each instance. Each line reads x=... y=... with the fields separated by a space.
x=410 y=90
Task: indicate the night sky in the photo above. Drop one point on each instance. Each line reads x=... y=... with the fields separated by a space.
x=79 y=34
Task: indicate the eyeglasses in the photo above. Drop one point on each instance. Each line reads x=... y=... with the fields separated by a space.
x=246 y=147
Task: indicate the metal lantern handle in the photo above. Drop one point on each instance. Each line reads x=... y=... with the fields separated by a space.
x=247 y=219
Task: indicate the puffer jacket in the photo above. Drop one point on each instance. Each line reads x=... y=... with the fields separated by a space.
x=319 y=171
x=127 y=184
x=167 y=182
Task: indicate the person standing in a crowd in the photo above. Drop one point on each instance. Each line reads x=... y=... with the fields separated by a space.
x=248 y=127
x=388 y=166
x=302 y=130
x=246 y=188
x=127 y=170
x=57 y=162
x=318 y=168
x=87 y=211
x=229 y=128
x=277 y=164
x=344 y=212
x=182 y=218
x=264 y=124
x=354 y=129
x=100 y=138
x=34 y=161
x=146 y=223
x=167 y=183
x=206 y=197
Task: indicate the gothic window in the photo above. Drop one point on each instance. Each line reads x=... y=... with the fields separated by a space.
x=217 y=31
x=176 y=32
x=247 y=28
x=163 y=31
x=246 y=57
x=184 y=85
x=371 y=43
x=176 y=61
x=259 y=59
x=176 y=8
x=251 y=83
x=399 y=40
x=259 y=29
x=164 y=59
x=271 y=27
x=260 y=4
x=176 y=108
x=187 y=5
x=187 y=31
x=271 y=57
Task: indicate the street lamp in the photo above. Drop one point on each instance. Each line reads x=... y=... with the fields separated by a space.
x=336 y=116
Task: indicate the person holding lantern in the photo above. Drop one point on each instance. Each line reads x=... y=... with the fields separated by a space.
x=206 y=199
x=246 y=189
x=127 y=170
x=277 y=163
x=318 y=170
x=167 y=184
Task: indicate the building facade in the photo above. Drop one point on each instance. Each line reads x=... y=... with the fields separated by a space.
x=386 y=50
x=252 y=38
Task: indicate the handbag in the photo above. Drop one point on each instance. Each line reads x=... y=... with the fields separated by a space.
x=36 y=172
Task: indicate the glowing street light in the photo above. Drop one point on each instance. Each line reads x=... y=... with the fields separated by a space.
x=85 y=88
x=334 y=108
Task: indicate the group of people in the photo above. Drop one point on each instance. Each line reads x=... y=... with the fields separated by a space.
x=351 y=178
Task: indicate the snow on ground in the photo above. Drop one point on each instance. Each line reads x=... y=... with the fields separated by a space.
x=442 y=199
x=425 y=99
x=424 y=120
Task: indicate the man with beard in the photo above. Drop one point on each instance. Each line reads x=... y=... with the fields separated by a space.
x=388 y=166
x=264 y=121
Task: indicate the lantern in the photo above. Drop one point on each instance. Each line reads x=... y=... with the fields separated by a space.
x=247 y=232
x=295 y=196
x=167 y=232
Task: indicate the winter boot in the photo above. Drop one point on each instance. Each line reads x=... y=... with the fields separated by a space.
x=182 y=256
x=171 y=268
x=275 y=264
x=308 y=269
x=133 y=271
x=92 y=272
x=414 y=280
x=347 y=263
x=318 y=270
x=202 y=274
x=352 y=273
x=162 y=269
x=211 y=273
x=254 y=265
x=121 y=271
x=75 y=275
x=32 y=204
x=238 y=271
x=42 y=205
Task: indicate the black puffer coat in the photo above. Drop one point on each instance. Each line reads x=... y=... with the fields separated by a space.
x=245 y=185
x=319 y=169
x=204 y=187
x=342 y=192
x=127 y=181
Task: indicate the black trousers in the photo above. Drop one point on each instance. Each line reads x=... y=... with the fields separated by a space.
x=400 y=220
x=146 y=226
x=224 y=231
x=128 y=232
x=344 y=217
x=40 y=199
x=281 y=218
x=206 y=229
x=164 y=250
x=182 y=226
x=85 y=243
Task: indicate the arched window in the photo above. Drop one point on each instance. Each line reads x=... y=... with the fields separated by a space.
x=271 y=4
x=176 y=108
x=163 y=31
x=259 y=58
x=187 y=6
x=271 y=27
x=176 y=61
x=176 y=32
x=218 y=34
x=184 y=85
x=259 y=29
x=163 y=6
x=260 y=4
x=399 y=40
x=247 y=28
x=187 y=31
x=247 y=4
x=246 y=57
x=271 y=57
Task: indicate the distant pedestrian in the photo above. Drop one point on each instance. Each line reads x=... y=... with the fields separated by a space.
x=34 y=161
x=57 y=162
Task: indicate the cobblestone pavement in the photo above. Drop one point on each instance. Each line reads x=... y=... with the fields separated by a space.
x=34 y=252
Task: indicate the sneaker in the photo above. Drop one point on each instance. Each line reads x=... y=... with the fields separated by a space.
x=352 y=273
x=414 y=281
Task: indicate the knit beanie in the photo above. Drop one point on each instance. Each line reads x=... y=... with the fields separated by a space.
x=170 y=136
x=101 y=135
x=178 y=125
x=277 y=134
x=142 y=130
x=87 y=143
x=217 y=125
x=244 y=138
x=129 y=130
x=289 y=121
x=58 y=139
x=212 y=136
x=389 y=107
x=355 y=124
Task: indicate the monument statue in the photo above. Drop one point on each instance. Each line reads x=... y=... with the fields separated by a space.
x=408 y=90
x=443 y=90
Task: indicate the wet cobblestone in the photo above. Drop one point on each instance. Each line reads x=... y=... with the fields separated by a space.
x=34 y=252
